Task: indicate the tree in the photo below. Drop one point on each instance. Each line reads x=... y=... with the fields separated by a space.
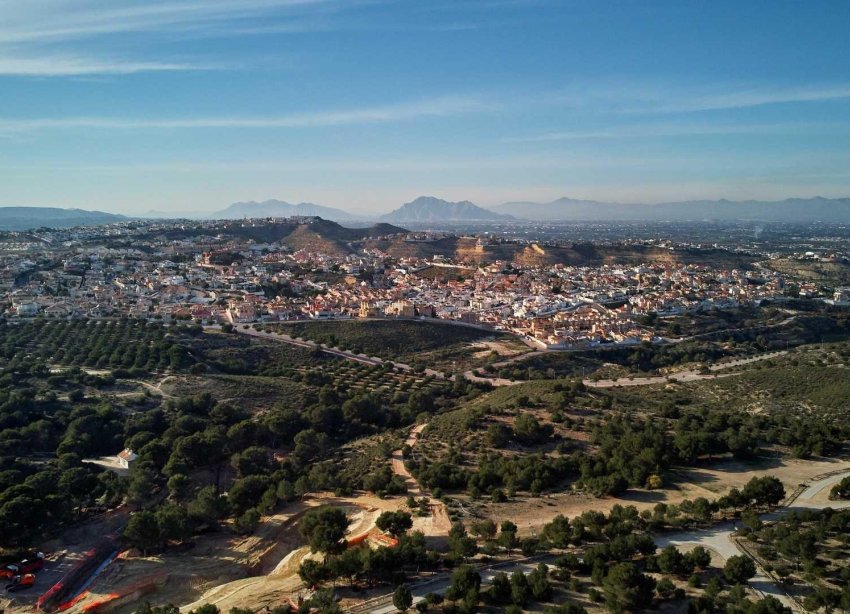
x=520 y=590
x=173 y=522
x=767 y=605
x=324 y=529
x=739 y=569
x=764 y=491
x=402 y=598
x=178 y=485
x=700 y=557
x=394 y=523
x=538 y=580
x=323 y=601
x=498 y=435
x=208 y=507
x=141 y=487
x=312 y=573
x=461 y=545
x=247 y=522
x=500 y=588
x=246 y=492
x=507 y=537
x=142 y=531
x=529 y=431
x=672 y=561
x=626 y=588
x=665 y=588
x=558 y=532
x=465 y=580
x=485 y=529
x=841 y=490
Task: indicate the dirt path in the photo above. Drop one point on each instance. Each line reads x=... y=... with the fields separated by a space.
x=688 y=375
x=155 y=389
x=439 y=522
x=397 y=461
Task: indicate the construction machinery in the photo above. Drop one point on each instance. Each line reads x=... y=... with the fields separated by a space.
x=21 y=582
x=31 y=564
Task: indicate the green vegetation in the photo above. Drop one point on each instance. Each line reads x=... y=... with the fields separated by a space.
x=49 y=424
x=544 y=436
x=718 y=335
x=808 y=553
x=233 y=427
x=437 y=345
x=124 y=344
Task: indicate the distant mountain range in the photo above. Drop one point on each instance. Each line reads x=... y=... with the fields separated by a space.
x=430 y=209
x=789 y=210
x=279 y=208
x=27 y=218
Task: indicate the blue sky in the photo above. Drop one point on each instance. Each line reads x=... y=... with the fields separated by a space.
x=189 y=105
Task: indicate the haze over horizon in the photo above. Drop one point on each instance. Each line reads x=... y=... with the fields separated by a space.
x=191 y=106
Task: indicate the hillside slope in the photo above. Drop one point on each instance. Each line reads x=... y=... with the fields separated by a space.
x=581 y=254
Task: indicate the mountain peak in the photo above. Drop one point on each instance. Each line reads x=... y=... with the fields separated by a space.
x=280 y=208
x=430 y=209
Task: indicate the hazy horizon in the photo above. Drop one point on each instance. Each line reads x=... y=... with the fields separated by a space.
x=186 y=106
x=374 y=214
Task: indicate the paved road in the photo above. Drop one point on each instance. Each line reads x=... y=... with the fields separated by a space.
x=440 y=583
x=720 y=538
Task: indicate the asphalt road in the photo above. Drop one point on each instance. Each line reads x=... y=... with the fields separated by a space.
x=439 y=584
x=720 y=538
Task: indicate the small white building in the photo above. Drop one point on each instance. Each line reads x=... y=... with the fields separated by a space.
x=127 y=457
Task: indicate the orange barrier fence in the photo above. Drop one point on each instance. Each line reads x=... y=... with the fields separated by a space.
x=128 y=595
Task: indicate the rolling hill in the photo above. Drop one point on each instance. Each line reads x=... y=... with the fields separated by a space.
x=27 y=218
x=471 y=251
x=279 y=208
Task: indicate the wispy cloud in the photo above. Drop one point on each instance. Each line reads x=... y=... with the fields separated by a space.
x=59 y=20
x=740 y=98
x=437 y=107
x=628 y=97
x=668 y=130
x=73 y=66
x=43 y=38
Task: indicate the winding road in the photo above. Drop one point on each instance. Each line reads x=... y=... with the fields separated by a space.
x=721 y=537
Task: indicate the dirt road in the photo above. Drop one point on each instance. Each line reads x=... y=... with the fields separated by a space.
x=439 y=523
x=688 y=375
